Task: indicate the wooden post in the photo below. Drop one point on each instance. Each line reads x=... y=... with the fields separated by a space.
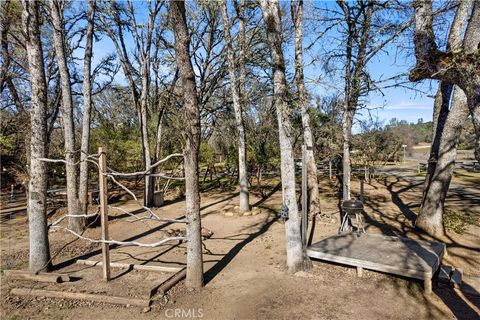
x=330 y=170
x=104 y=212
x=361 y=189
x=90 y=198
x=359 y=272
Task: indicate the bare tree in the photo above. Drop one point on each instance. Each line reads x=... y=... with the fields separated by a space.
x=354 y=69
x=296 y=258
x=142 y=44
x=312 y=178
x=87 y=106
x=56 y=7
x=237 y=106
x=192 y=145
x=450 y=114
x=37 y=202
x=461 y=67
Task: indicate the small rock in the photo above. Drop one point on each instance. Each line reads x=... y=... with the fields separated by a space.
x=207 y=233
x=146 y=309
x=256 y=211
x=229 y=214
x=128 y=305
x=236 y=208
x=247 y=213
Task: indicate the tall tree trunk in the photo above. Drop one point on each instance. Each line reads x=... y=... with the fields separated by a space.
x=354 y=69
x=237 y=106
x=87 y=107
x=470 y=44
x=149 y=181
x=76 y=224
x=433 y=63
x=147 y=160
x=312 y=176
x=39 y=254
x=192 y=145
x=448 y=117
x=296 y=258
x=430 y=218
x=347 y=121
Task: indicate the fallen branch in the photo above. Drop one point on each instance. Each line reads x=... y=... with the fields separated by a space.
x=169 y=283
x=41 y=277
x=80 y=296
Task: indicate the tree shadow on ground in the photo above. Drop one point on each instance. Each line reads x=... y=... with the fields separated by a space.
x=403 y=224
x=227 y=258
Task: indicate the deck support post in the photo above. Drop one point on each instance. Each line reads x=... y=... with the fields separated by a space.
x=427 y=285
x=359 y=272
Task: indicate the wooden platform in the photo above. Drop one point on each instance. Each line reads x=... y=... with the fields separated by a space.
x=400 y=256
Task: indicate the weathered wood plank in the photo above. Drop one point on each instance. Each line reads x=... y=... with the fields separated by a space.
x=41 y=277
x=129 y=265
x=401 y=256
x=80 y=296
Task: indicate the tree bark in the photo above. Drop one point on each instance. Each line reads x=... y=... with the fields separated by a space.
x=312 y=176
x=237 y=106
x=450 y=112
x=192 y=145
x=296 y=259
x=87 y=107
x=354 y=69
x=39 y=254
x=430 y=218
x=76 y=224
x=461 y=67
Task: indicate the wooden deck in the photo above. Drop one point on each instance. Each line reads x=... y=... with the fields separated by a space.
x=400 y=256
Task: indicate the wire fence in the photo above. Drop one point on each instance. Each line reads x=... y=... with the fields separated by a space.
x=114 y=177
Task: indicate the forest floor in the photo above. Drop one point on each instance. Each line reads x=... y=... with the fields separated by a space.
x=244 y=262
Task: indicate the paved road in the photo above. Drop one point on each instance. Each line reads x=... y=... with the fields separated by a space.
x=458 y=194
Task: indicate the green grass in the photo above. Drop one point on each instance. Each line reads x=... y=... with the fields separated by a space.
x=458 y=222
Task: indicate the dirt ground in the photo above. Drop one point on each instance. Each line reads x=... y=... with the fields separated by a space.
x=245 y=277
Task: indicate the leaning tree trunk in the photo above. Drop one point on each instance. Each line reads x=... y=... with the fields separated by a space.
x=37 y=202
x=87 y=108
x=192 y=145
x=296 y=259
x=76 y=224
x=430 y=218
x=461 y=67
x=472 y=43
x=448 y=118
x=312 y=176
x=237 y=106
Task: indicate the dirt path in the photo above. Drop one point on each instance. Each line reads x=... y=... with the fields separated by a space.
x=245 y=276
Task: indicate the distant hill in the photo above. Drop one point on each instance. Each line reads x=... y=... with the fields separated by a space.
x=418 y=136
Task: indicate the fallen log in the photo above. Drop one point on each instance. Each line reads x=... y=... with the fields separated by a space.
x=80 y=296
x=40 y=277
x=129 y=266
x=166 y=285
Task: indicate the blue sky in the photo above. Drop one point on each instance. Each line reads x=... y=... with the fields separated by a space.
x=397 y=103
x=393 y=102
